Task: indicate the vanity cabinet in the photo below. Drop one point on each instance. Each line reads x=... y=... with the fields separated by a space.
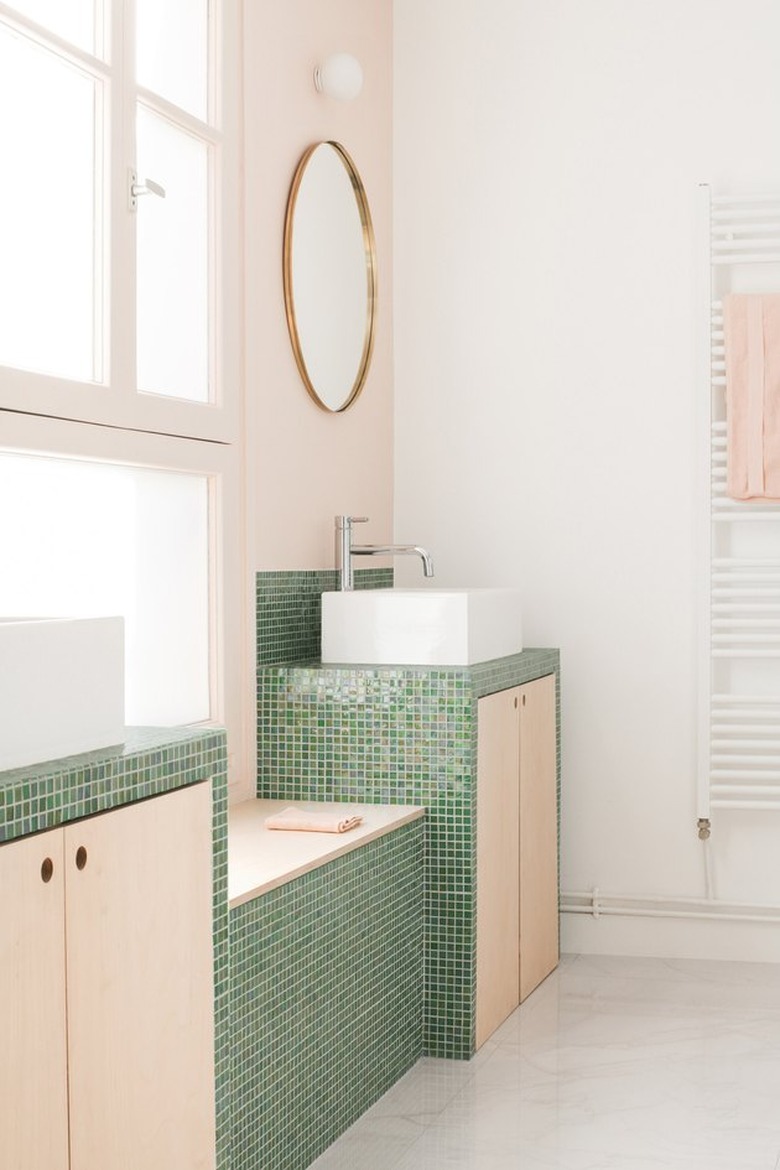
x=517 y=848
x=410 y=735
x=106 y=990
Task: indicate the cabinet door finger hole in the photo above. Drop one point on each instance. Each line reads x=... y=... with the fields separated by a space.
x=81 y=857
x=47 y=869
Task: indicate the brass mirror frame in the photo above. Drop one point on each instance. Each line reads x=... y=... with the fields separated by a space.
x=369 y=246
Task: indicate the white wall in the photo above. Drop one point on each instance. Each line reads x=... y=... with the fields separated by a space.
x=546 y=158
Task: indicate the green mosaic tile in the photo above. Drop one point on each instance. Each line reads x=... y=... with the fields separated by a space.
x=288 y=610
x=152 y=761
x=326 y=999
x=513 y=671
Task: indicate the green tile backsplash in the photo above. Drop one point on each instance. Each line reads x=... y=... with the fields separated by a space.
x=288 y=610
x=326 y=999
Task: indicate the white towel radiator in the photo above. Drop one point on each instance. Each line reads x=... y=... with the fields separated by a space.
x=739 y=601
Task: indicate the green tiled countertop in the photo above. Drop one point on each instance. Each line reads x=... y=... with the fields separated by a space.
x=399 y=735
x=485 y=677
x=500 y=673
x=152 y=760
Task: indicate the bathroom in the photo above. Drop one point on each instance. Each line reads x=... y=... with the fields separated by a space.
x=530 y=416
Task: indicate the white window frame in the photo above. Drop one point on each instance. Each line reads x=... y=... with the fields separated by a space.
x=114 y=400
x=26 y=435
x=111 y=421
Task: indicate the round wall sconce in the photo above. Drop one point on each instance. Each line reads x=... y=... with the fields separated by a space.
x=339 y=76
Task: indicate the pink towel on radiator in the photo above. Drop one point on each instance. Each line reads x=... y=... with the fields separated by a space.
x=752 y=333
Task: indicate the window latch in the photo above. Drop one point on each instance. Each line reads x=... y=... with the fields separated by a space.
x=147 y=187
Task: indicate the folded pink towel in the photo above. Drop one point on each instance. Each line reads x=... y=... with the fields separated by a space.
x=300 y=820
x=752 y=334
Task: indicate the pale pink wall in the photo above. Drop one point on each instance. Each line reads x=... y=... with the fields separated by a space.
x=303 y=464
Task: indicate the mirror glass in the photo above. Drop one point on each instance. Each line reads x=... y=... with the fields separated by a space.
x=330 y=276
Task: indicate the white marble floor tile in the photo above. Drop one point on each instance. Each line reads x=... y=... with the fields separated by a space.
x=359 y=1152
x=436 y=1151
x=616 y=1114
x=612 y=1064
x=417 y=1100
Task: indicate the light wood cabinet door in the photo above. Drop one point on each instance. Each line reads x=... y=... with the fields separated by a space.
x=538 y=834
x=33 y=1062
x=517 y=849
x=140 y=986
x=498 y=906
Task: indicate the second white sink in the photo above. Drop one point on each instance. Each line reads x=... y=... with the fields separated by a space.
x=61 y=687
x=422 y=627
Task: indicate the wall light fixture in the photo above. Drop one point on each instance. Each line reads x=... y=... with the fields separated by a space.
x=339 y=76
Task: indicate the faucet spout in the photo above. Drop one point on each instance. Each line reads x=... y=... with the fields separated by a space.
x=396 y=550
x=346 y=550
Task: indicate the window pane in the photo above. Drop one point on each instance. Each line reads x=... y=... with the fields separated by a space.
x=95 y=540
x=47 y=200
x=172 y=51
x=74 y=20
x=173 y=262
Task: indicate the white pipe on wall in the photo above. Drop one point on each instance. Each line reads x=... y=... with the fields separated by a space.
x=709 y=884
x=629 y=906
x=643 y=913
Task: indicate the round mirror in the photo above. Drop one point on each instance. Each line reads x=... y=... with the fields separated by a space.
x=330 y=276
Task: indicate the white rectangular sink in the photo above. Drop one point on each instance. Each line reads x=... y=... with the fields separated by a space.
x=421 y=627
x=61 y=687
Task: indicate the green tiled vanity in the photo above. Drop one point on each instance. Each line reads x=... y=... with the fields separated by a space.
x=317 y=983
x=388 y=735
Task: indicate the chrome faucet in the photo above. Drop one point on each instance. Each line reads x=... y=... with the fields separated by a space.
x=346 y=550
